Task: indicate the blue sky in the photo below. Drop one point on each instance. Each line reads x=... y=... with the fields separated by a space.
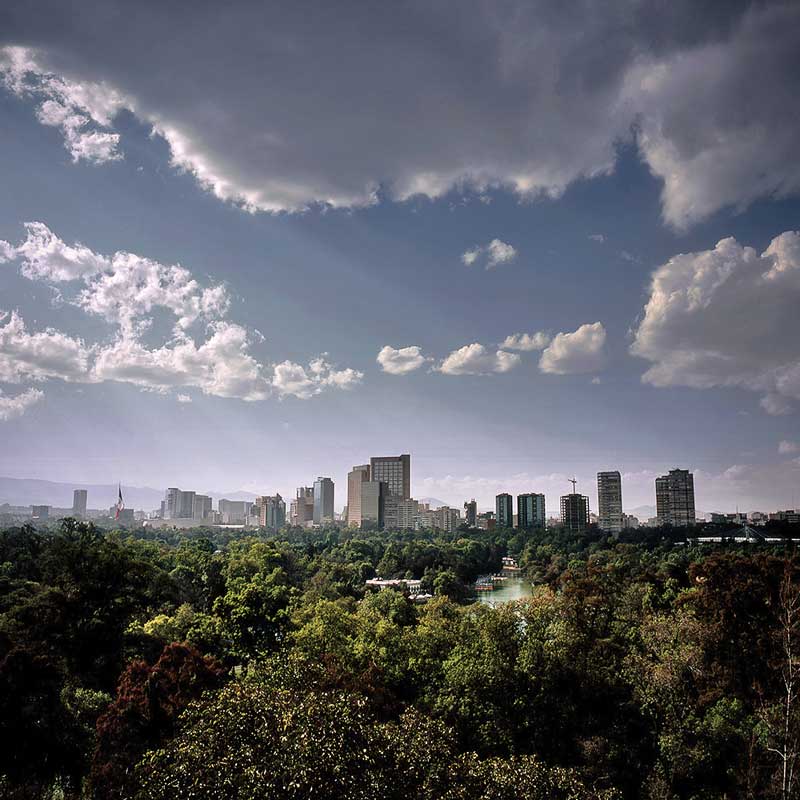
x=348 y=236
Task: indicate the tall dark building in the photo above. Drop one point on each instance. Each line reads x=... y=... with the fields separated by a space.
x=471 y=513
x=395 y=472
x=372 y=500
x=323 y=501
x=504 y=510
x=530 y=511
x=675 y=498
x=575 y=512
x=609 y=501
x=79 y=503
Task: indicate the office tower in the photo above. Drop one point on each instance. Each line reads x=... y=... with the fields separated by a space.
x=40 y=512
x=530 y=511
x=271 y=511
x=79 y=503
x=355 y=478
x=178 y=504
x=302 y=507
x=609 y=501
x=575 y=512
x=395 y=472
x=406 y=512
x=471 y=513
x=234 y=512
x=675 y=498
x=504 y=510
x=372 y=503
x=201 y=507
x=323 y=501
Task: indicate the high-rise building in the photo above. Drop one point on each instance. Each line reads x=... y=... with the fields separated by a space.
x=444 y=519
x=471 y=513
x=271 y=511
x=675 y=498
x=301 y=509
x=575 y=512
x=395 y=472
x=530 y=511
x=79 y=497
x=372 y=503
x=234 y=512
x=355 y=478
x=609 y=501
x=323 y=501
x=40 y=512
x=178 y=504
x=504 y=510
x=201 y=507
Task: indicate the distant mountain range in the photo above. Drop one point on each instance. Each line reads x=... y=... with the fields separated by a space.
x=31 y=491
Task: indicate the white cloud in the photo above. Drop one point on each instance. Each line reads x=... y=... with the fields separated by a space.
x=727 y=317
x=41 y=355
x=475 y=359
x=293 y=379
x=17 y=405
x=122 y=288
x=578 y=352
x=469 y=257
x=566 y=99
x=82 y=110
x=499 y=253
x=526 y=341
x=183 y=398
x=399 y=361
x=597 y=237
x=496 y=252
x=787 y=448
x=220 y=366
x=45 y=257
x=7 y=251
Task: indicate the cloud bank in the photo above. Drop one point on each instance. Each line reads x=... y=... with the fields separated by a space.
x=206 y=351
x=727 y=317
x=539 y=95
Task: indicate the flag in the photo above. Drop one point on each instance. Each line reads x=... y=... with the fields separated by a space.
x=120 y=503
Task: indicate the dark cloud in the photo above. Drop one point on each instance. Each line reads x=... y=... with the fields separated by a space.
x=278 y=106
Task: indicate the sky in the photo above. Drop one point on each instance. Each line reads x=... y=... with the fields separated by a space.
x=244 y=245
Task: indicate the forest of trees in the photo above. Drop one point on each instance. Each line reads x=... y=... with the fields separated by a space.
x=211 y=664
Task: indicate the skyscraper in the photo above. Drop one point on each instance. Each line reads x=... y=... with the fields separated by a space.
x=471 y=513
x=504 y=510
x=395 y=472
x=530 y=511
x=302 y=507
x=372 y=502
x=575 y=512
x=271 y=511
x=233 y=512
x=178 y=504
x=323 y=501
x=355 y=478
x=79 y=503
x=675 y=498
x=201 y=507
x=609 y=501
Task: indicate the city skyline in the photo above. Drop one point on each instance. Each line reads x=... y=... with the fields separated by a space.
x=252 y=297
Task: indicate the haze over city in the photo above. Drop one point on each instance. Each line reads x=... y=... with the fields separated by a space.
x=267 y=246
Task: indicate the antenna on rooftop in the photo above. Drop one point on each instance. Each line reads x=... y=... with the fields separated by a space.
x=573 y=481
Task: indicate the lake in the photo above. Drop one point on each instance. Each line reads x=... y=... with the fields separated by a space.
x=514 y=589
